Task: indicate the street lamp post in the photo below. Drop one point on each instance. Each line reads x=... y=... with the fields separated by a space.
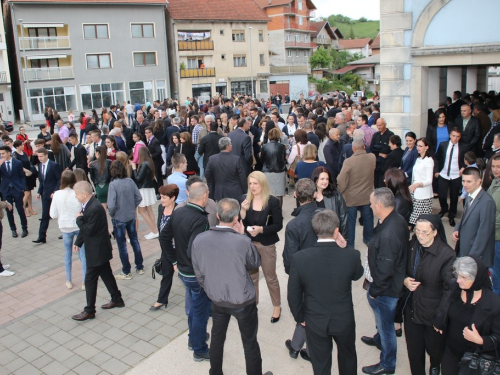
x=251 y=65
x=25 y=75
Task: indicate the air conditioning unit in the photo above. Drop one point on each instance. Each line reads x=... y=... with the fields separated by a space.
x=376 y=82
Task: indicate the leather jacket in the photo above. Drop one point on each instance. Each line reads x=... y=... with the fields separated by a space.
x=142 y=176
x=336 y=203
x=273 y=157
x=96 y=176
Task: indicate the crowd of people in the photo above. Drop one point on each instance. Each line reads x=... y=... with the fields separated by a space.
x=221 y=170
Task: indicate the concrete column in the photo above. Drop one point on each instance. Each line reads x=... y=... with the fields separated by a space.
x=433 y=88
x=419 y=98
x=454 y=81
x=482 y=78
x=471 y=83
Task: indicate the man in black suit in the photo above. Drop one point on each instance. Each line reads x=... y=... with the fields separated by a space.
x=454 y=108
x=380 y=147
x=93 y=225
x=13 y=183
x=311 y=137
x=320 y=296
x=155 y=151
x=209 y=144
x=332 y=152
x=470 y=127
x=242 y=146
x=225 y=173
x=79 y=153
x=448 y=166
x=254 y=113
x=175 y=128
x=49 y=177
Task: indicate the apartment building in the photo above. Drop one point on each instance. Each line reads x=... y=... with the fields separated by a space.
x=6 y=106
x=290 y=44
x=217 y=51
x=72 y=54
x=325 y=36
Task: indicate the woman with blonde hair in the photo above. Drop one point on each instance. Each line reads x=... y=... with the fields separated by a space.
x=224 y=122
x=123 y=158
x=263 y=219
x=330 y=123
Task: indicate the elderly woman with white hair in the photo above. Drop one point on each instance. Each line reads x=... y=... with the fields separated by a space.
x=470 y=320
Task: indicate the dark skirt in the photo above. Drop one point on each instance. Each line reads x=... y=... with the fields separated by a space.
x=101 y=193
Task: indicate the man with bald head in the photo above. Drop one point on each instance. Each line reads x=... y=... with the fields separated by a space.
x=380 y=147
x=471 y=128
x=332 y=151
x=93 y=225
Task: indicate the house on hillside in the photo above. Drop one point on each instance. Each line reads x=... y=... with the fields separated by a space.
x=359 y=46
x=290 y=44
x=217 y=52
x=325 y=36
x=375 y=46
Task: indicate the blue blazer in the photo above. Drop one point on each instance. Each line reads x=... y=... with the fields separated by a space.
x=16 y=179
x=49 y=184
x=408 y=162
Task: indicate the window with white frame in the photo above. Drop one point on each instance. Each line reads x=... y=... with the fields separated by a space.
x=144 y=58
x=239 y=60
x=288 y=37
x=161 y=91
x=192 y=63
x=289 y=53
x=261 y=35
x=96 y=31
x=261 y=58
x=301 y=21
x=141 y=92
x=98 y=61
x=299 y=4
x=238 y=36
x=142 y=30
x=101 y=94
x=60 y=98
x=297 y=53
x=305 y=38
x=306 y=53
x=263 y=86
x=297 y=37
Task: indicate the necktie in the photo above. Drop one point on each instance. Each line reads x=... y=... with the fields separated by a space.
x=8 y=167
x=43 y=171
x=449 y=160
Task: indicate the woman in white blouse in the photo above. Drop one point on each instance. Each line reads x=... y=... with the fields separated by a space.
x=421 y=182
x=300 y=142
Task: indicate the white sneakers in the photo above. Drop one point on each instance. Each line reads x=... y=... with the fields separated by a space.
x=151 y=236
x=7 y=273
x=123 y=276
x=69 y=285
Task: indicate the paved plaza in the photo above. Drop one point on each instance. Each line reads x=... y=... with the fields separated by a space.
x=38 y=336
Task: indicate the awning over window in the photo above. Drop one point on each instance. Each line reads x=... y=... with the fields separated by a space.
x=44 y=57
x=27 y=24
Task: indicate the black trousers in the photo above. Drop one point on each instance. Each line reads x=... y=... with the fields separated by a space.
x=454 y=186
x=248 y=325
x=320 y=350
x=44 y=223
x=15 y=198
x=91 y=278
x=1 y=234
x=159 y=177
x=166 y=279
x=419 y=340
x=449 y=364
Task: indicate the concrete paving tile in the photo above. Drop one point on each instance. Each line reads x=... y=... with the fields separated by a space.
x=37 y=339
x=129 y=341
x=20 y=346
x=60 y=353
x=43 y=361
x=159 y=341
x=144 y=334
x=16 y=364
x=103 y=343
x=74 y=343
x=61 y=337
x=6 y=356
x=144 y=348
x=100 y=358
x=73 y=361
x=86 y=351
x=90 y=337
x=87 y=368
x=115 y=367
x=30 y=354
x=114 y=334
x=130 y=327
x=117 y=350
x=28 y=370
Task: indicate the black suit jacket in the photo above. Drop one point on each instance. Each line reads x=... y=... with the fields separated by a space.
x=49 y=183
x=154 y=147
x=226 y=177
x=242 y=147
x=440 y=157
x=94 y=234
x=16 y=179
x=169 y=132
x=431 y=134
x=393 y=159
x=472 y=133
x=453 y=111
x=80 y=160
x=209 y=145
x=320 y=287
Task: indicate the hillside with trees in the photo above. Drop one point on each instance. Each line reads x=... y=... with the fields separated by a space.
x=354 y=29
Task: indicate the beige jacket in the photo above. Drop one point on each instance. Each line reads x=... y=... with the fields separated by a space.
x=355 y=180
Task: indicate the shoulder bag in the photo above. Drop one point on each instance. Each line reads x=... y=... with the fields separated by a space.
x=291 y=169
x=479 y=363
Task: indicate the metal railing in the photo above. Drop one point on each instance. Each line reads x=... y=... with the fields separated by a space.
x=44 y=42
x=291 y=69
x=193 y=73
x=199 y=45
x=37 y=74
x=300 y=45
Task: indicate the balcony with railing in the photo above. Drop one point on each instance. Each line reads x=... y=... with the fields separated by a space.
x=306 y=45
x=194 y=73
x=294 y=25
x=3 y=77
x=44 y=42
x=38 y=74
x=198 y=45
x=291 y=69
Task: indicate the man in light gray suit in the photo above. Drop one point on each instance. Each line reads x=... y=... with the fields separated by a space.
x=475 y=234
x=242 y=144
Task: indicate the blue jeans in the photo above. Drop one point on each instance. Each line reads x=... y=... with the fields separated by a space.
x=68 y=255
x=130 y=119
x=367 y=215
x=199 y=311
x=495 y=270
x=200 y=164
x=384 y=309
x=121 y=229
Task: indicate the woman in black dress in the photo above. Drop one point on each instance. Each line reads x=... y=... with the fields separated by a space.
x=30 y=173
x=187 y=148
x=45 y=135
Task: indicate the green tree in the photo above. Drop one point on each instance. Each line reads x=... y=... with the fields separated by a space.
x=342 y=58
x=362 y=19
x=320 y=59
x=351 y=33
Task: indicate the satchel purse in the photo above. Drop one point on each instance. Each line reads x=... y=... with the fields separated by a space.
x=481 y=364
x=291 y=169
x=156 y=269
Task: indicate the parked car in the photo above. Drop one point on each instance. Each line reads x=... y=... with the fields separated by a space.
x=357 y=95
x=8 y=125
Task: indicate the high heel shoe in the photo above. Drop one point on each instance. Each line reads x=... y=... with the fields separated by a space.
x=154 y=308
x=276 y=320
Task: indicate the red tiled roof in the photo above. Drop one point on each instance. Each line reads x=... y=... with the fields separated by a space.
x=142 y=2
x=272 y=3
x=354 y=43
x=349 y=68
x=318 y=26
x=376 y=42
x=216 y=10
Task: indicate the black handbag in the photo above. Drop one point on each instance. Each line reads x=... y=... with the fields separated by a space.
x=156 y=269
x=481 y=364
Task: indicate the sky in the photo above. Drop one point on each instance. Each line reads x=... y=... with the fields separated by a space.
x=350 y=8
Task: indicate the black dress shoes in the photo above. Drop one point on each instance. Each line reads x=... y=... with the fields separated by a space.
x=24 y=234
x=60 y=237
x=83 y=316
x=399 y=332
x=40 y=240
x=452 y=222
x=434 y=371
x=304 y=355
x=442 y=213
x=376 y=370
x=369 y=341
x=293 y=353
x=14 y=234
x=112 y=305
x=276 y=320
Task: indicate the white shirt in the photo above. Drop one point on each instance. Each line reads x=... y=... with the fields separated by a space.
x=325 y=240
x=291 y=129
x=473 y=195
x=455 y=169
